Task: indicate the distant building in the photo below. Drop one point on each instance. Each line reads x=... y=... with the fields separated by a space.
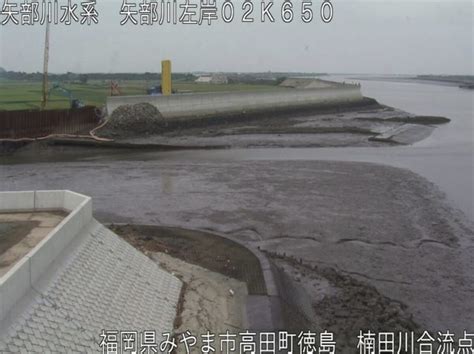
x=212 y=79
x=203 y=80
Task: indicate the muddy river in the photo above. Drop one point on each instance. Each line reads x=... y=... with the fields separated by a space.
x=446 y=158
x=386 y=227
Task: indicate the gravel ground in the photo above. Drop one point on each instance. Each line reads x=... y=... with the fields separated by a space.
x=133 y=120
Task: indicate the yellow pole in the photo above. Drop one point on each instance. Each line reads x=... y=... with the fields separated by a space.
x=166 y=77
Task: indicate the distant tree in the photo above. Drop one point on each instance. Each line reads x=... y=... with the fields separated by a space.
x=83 y=78
x=280 y=79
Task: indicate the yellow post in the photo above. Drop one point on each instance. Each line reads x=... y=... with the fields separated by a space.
x=166 y=77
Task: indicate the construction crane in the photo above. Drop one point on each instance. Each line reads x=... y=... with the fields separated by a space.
x=115 y=89
x=73 y=102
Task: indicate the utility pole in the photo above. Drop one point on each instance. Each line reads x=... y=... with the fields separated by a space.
x=45 y=67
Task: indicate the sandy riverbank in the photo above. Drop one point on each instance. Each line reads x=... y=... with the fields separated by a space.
x=365 y=123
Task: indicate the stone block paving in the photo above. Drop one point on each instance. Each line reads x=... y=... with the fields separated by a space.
x=107 y=284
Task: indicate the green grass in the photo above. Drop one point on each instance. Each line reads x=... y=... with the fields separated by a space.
x=17 y=95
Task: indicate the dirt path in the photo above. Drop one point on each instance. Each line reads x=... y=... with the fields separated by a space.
x=212 y=302
x=204 y=249
x=213 y=297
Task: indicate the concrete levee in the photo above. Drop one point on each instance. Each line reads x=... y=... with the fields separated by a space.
x=17 y=201
x=295 y=300
x=23 y=275
x=215 y=103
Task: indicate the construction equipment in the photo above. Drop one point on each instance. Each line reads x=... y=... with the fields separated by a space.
x=154 y=90
x=165 y=88
x=115 y=89
x=73 y=102
x=157 y=90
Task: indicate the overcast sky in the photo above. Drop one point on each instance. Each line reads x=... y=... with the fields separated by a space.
x=380 y=37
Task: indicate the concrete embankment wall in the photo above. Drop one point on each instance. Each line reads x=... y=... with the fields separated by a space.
x=296 y=303
x=23 y=275
x=215 y=103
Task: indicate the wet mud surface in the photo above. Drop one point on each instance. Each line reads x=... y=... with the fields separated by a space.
x=322 y=299
x=362 y=124
x=20 y=232
x=384 y=227
x=200 y=248
x=13 y=232
x=356 y=126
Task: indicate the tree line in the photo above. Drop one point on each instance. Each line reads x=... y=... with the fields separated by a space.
x=84 y=78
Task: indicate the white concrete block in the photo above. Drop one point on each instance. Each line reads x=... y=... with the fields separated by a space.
x=62 y=235
x=14 y=284
x=72 y=200
x=49 y=199
x=87 y=211
x=10 y=201
x=59 y=238
x=73 y=224
x=3 y=307
x=43 y=255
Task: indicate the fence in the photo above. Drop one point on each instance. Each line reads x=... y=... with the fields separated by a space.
x=35 y=124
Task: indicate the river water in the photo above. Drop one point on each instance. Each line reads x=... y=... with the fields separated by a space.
x=446 y=158
x=332 y=214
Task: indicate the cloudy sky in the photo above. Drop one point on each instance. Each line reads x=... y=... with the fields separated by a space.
x=380 y=37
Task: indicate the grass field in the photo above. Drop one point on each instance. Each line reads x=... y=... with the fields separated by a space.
x=16 y=95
